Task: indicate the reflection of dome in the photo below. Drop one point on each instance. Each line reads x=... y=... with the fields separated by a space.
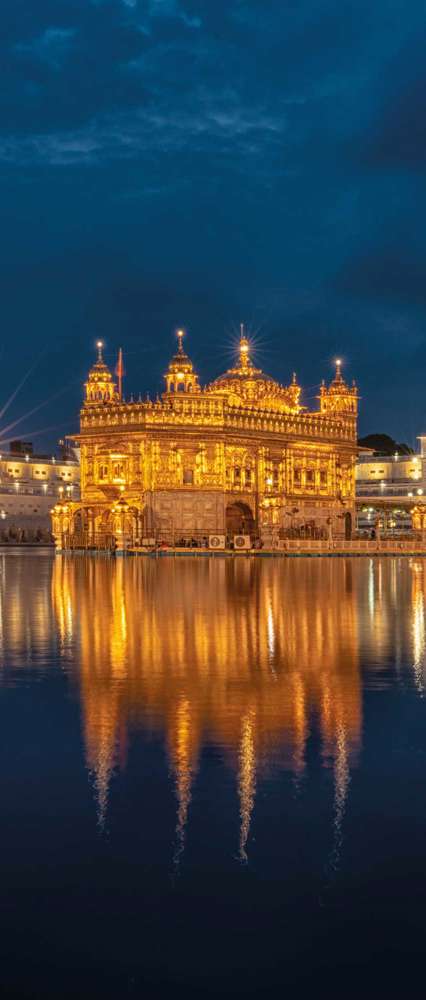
x=251 y=385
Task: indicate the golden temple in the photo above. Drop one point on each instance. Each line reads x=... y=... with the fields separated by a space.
x=238 y=457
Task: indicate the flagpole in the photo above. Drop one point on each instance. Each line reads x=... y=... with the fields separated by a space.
x=119 y=372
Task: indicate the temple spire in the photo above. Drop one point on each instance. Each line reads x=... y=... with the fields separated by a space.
x=339 y=397
x=338 y=376
x=180 y=375
x=245 y=360
x=180 y=335
x=100 y=387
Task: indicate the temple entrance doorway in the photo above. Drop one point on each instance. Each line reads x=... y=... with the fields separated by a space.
x=239 y=519
x=348 y=526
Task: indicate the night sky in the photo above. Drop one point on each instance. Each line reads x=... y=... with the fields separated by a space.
x=202 y=163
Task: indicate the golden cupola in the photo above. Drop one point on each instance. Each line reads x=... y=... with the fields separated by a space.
x=100 y=386
x=339 y=397
x=245 y=384
x=180 y=375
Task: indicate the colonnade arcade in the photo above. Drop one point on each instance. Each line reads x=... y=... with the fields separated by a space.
x=119 y=526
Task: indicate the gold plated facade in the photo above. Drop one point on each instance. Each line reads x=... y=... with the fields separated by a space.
x=240 y=455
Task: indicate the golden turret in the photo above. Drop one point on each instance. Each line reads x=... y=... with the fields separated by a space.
x=100 y=386
x=180 y=376
x=338 y=397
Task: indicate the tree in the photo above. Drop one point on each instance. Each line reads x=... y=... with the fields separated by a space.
x=382 y=444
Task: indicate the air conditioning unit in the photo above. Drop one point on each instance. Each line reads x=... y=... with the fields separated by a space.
x=242 y=542
x=217 y=541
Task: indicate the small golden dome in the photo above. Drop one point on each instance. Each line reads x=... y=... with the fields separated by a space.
x=180 y=375
x=100 y=386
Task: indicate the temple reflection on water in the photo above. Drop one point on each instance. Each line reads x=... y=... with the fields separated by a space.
x=236 y=667
x=254 y=658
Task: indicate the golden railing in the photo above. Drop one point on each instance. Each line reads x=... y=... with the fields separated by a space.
x=217 y=413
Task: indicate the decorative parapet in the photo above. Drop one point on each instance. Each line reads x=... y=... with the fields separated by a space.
x=216 y=412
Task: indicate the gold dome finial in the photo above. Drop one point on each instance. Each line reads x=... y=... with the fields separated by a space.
x=180 y=335
x=245 y=360
x=338 y=363
x=100 y=347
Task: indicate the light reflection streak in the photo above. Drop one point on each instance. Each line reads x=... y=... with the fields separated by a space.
x=246 y=779
x=341 y=785
x=371 y=591
x=183 y=766
x=418 y=625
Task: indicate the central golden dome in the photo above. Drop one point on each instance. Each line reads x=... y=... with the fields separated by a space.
x=245 y=384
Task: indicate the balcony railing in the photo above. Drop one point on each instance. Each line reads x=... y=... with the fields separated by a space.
x=392 y=490
x=24 y=489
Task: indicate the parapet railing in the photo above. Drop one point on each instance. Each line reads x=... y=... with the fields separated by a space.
x=375 y=491
x=215 y=412
x=23 y=489
x=396 y=545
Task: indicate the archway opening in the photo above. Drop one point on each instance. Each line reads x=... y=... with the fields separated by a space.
x=348 y=525
x=239 y=519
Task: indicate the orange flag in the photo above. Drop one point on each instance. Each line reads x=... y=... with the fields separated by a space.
x=119 y=371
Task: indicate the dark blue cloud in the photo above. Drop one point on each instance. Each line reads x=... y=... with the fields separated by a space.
x=201 y=162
